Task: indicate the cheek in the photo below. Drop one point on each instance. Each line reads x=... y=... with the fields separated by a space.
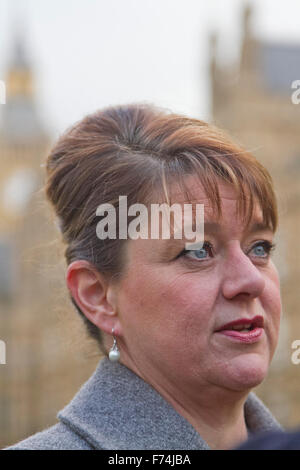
x=166 y=299
x=271 y=303
x=271 y=296
x=187 y=295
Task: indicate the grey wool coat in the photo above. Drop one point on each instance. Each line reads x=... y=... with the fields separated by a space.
x=115 y=410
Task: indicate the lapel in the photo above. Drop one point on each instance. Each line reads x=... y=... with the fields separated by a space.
x=116 y=409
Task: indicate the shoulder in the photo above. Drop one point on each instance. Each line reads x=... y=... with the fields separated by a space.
x=57 y=437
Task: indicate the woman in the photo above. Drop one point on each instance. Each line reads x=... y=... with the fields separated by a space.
x=188 y=328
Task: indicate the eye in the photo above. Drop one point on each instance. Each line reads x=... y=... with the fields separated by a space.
x=263 y=249
x=201 y=254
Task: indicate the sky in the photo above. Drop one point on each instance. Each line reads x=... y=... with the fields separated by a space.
x=89 y=54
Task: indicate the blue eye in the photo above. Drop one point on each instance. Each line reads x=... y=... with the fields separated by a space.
x=201 y=253
x=263 y=249
x=198 y=254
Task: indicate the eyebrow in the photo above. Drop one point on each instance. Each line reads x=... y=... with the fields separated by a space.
x=216 y=228
x=260 y=227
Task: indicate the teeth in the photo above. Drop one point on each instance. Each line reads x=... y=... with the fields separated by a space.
x=241 y=327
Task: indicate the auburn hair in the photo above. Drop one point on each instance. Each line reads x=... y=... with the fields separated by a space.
x=139 y=150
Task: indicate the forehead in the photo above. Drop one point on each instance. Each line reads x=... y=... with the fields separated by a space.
x=196 y=192
x=190 y=191
x=228 y=225
x=193 y=193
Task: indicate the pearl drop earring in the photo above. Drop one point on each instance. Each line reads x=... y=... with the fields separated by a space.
x=114 y=353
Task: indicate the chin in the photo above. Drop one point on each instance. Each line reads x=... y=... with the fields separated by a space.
x=246 y=372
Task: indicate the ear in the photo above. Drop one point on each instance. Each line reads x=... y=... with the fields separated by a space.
x=94 y=295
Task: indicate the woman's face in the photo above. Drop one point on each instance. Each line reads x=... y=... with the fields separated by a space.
x=173 y=309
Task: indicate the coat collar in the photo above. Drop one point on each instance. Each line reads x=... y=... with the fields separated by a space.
x=116 y=409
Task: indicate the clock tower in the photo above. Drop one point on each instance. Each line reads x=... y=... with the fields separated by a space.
x=35 y=314
x=23 y=140
x=23 y=147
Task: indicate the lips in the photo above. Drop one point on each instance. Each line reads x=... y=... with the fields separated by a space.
x=245 y=330
x=248 y=324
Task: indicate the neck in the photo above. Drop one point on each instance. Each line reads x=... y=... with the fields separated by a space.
x=217 y=414
x=218 y=419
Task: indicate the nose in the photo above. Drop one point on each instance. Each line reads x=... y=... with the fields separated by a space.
x=241 y=278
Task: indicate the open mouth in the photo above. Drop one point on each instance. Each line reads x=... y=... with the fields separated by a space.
x=243 y=325
x=242 y=329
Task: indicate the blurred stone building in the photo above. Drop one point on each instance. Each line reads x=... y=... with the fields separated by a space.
x=44 y=364
x=252 y=100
